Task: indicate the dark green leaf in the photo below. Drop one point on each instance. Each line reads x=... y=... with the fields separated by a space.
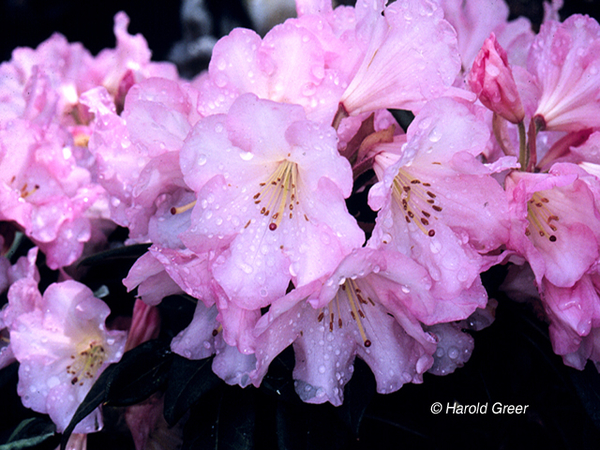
x=30 y=432
x=140 y=373
x=189 y=381
x=119 y=253
x=291 y=425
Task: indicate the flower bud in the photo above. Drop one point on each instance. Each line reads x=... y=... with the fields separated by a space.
x=492 y=80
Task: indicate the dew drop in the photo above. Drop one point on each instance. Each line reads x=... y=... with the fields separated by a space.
x=453 y=352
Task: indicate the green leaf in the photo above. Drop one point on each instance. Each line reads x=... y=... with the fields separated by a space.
x=140 y=373
x=119 y=253
x=189 y=381
x=30 y=432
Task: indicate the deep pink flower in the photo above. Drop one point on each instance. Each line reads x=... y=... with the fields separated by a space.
x=474 y=20
x=492 y=80
x=271 y=189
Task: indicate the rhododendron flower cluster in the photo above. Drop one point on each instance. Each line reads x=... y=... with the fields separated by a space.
x=240 y=183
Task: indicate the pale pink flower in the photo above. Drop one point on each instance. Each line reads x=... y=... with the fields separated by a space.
x=492 y=80
x=437 y=203
x=412 y=57
x=45 y=83
x=289 y=65
x=474 y=20
x=565 y=59
x=271 y=188
x=205 y=336
x=454 y=348
x=368 y=307
x=153 y=283
x=130 y=58
x=26 y=270
x=62 y=346
x=137 y=152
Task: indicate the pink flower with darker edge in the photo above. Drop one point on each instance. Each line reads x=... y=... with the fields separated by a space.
x=555 y=222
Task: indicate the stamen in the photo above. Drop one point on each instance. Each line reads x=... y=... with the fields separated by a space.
x=25 y=193
x=541 y=218
x=86 y=364
x=418 y=203
x=182 y=209
x=279 y=194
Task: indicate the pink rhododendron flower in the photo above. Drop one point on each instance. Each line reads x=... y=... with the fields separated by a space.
x=45 y=191
x=62 y=345
x=26 y=270
x=271 y=189
x=130 y=58
x=555 y=222
x=137 y=152
x=412 y=57
x=203 y=338
x=437 y=203
x=474 y=20
x=565 y=59
x=46 y=83
x=368 y=307
x=492 y=80
x=574 y=315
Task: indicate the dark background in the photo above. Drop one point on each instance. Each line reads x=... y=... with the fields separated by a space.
x=513 y=362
